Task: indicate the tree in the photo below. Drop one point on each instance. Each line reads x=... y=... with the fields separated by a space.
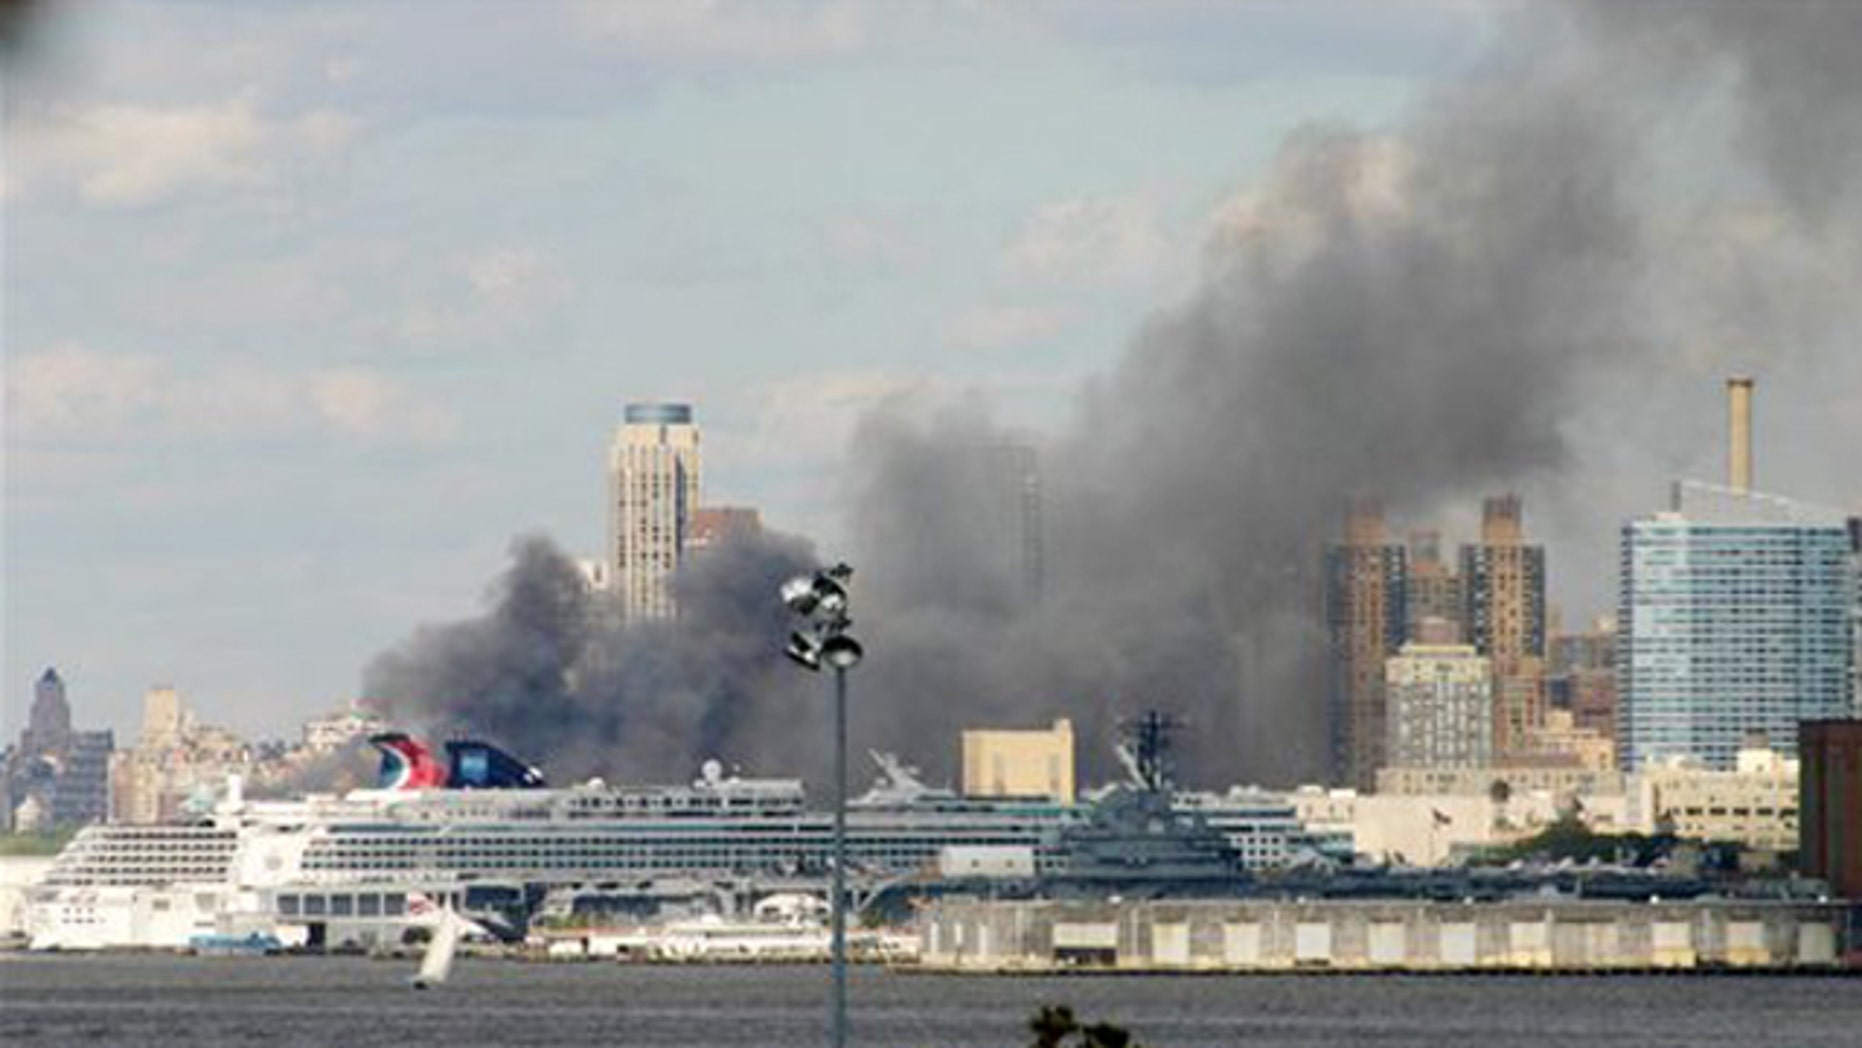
x=1054 y=1023
x=1051 y=1025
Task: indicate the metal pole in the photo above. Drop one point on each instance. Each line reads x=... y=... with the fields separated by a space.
x=838 y=905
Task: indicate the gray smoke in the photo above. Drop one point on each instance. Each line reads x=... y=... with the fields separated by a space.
x=1425 y=313
x=1421 y=314
x=351 y=766
x=550 y=672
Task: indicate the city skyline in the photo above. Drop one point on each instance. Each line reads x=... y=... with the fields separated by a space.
x=363 y=326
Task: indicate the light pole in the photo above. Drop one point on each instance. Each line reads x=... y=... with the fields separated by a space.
x=821 y=600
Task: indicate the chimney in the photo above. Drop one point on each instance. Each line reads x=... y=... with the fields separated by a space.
x=1739 y=434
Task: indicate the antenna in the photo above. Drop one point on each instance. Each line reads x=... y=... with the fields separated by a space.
x=1147 y=740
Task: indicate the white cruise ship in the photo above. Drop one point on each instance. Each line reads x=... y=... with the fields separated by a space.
x=483 y=835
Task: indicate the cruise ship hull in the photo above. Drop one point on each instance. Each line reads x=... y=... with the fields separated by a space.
x=362 y=870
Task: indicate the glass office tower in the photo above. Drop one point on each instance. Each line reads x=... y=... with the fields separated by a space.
x=1738 y=615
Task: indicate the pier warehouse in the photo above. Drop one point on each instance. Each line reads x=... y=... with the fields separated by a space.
x=1394 y=935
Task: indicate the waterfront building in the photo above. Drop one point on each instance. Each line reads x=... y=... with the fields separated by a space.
x=1830 y=804
x=1737 y=615
x=1366 y=613
x=1503 y=612
x=1014 y=763
x=653 y=489
x=1428 y=925
x=1566 y=781
x=1431 y=829
x=1754 y=803
x=1439 y=701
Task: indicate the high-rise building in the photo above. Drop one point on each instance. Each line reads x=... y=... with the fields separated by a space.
x=1434 y=587
x=1503 y=612
x=712 y=525
x=61 y=775
x=48 y=726
x=653 y=488
x=1581 y=676
x=1830 y=804
x=1365 y=610
x=1855 y=616
x=1736 y=612
x=82 y=795
x=164 y=719
x=178 y=764
x=1014 y=478
x=1440 y=703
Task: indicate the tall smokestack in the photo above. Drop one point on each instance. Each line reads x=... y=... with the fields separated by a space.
x=1739 y=433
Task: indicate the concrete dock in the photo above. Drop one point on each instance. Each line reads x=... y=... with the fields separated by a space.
x=1397 y=935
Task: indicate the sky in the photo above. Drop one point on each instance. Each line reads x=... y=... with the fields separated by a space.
x=311 y=308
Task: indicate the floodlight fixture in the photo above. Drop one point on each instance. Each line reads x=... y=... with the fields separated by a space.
x=830 y=596
x=799 y=594
x=804 y=650
x=841 y=652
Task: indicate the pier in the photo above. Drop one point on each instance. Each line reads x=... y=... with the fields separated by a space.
x=1572 y=936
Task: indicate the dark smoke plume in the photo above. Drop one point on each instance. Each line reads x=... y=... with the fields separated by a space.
x=352 y=766
x=1418 y=314
x=550 y=673
x=1425 y=313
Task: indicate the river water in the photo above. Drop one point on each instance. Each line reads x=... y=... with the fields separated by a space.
x=160 y=1001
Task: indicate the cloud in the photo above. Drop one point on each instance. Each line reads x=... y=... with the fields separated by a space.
x=1005 y=326
x=69 y=389
x=723 y=29
x=74 y=393
x=1090 y=240
x=806 y=420
x=866 y=241
x=113 y=155
x=505 y=288
x=361 y=403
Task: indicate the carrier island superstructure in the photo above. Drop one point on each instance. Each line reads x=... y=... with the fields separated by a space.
x=480 y=832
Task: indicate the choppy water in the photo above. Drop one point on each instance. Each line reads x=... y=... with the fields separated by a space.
x=169 y=1002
